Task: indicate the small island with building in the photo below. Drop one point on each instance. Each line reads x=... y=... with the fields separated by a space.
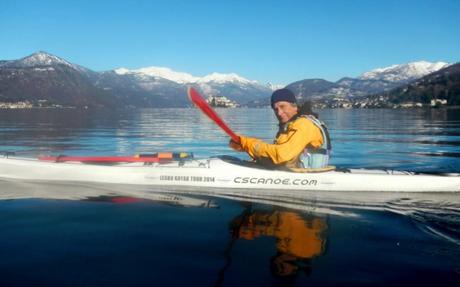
x=221 y=102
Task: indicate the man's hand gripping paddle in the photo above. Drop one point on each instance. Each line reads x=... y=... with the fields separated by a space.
x=198 y=100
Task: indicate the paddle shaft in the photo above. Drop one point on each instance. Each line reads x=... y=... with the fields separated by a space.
x=201 y=103
x=156 y=157
x=101 y=159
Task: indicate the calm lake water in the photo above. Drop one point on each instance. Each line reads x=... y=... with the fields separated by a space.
x=97 y=237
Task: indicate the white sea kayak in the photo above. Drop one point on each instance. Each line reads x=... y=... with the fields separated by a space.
x=226 y=173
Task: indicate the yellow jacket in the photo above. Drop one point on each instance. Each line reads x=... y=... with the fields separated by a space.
x=289 y=144
x=294 y=235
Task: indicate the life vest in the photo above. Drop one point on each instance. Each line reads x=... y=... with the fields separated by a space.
x=317 y=157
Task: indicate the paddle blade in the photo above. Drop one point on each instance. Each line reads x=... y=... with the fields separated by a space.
x=201 y=103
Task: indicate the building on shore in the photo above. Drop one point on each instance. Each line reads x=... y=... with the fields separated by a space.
x=221 y=102
x=16 y=105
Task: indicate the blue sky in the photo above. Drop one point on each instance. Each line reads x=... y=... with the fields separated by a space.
x=268 y=41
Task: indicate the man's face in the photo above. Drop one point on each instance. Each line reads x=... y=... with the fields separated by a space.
x=284 y=111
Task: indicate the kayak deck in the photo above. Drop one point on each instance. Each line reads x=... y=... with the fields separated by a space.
x=226 y=172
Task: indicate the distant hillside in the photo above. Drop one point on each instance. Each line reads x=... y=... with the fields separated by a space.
x=131 y=91
x=441 y=85
x=232 y=86
x=347 y=90
x=50 y=81
x=47 y=80
x=311 y=88
x=42 y=79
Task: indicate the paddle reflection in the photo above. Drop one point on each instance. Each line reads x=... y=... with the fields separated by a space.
x=298 y=239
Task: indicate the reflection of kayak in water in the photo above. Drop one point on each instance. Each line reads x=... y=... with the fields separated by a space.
x=227 y=173
x=15 y=189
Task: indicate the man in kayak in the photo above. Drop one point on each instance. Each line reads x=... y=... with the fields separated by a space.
x=302 y=140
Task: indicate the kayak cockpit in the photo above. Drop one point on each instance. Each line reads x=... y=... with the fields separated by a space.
x=252 y=164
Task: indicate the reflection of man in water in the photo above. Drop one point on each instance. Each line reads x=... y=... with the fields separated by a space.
x=298 y=239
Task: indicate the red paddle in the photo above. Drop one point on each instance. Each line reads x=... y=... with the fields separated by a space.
x=100 y=159
x=198 y=100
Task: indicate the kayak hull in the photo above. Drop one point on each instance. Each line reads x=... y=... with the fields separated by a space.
x=226 y=173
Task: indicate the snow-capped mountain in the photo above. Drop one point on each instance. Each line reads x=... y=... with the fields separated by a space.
x=159 y=72
x=40 y=60
x=274 y=87
x=435 y=89
x=230 y=85
x=403 y=72
x=184 y=78
x=219 y=78
x=45 y=77
x=372 y=82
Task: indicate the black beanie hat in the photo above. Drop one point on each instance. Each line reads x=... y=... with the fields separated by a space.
x=283 y=95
